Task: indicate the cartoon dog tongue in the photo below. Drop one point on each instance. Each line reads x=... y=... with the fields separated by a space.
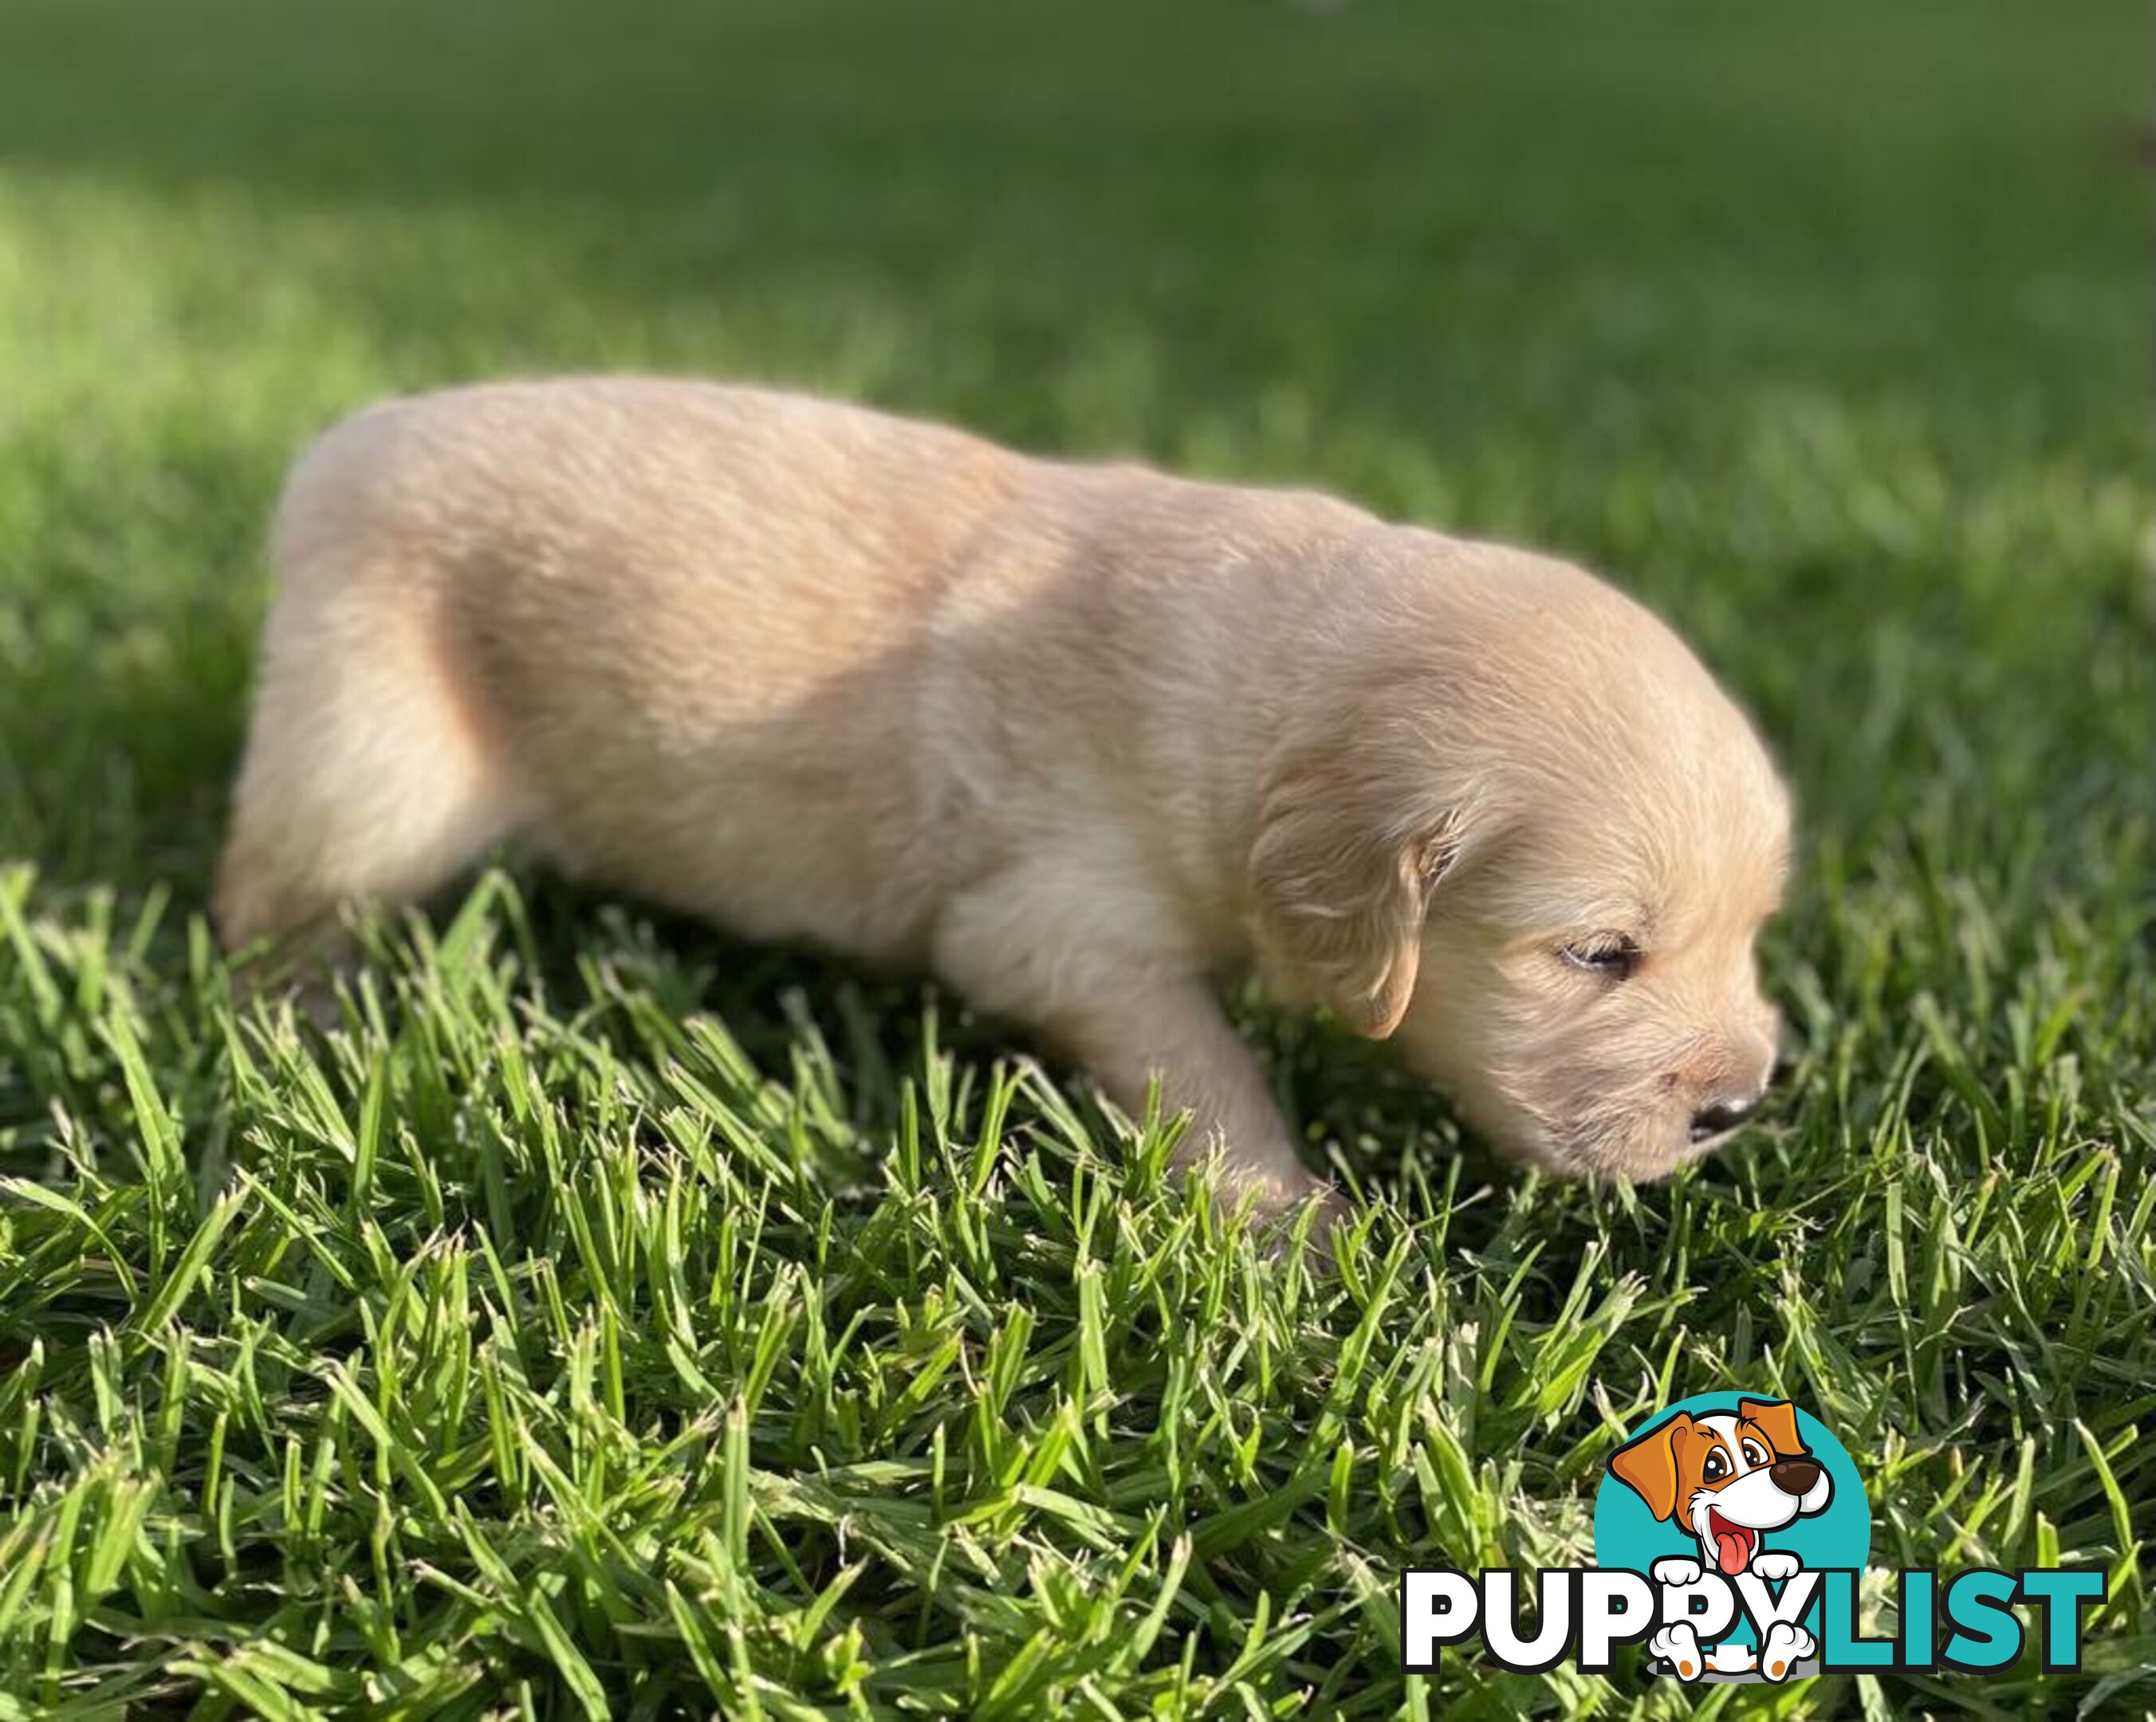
x=1731 y=1548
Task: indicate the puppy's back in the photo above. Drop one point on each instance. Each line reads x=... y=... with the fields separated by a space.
x=670 y=619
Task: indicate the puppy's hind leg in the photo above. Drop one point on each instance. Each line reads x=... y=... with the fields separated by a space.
x=369 y=775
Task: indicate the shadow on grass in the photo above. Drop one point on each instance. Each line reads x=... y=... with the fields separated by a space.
x=866 y=1035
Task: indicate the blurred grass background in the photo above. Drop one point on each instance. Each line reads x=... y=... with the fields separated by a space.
x=1825 y=328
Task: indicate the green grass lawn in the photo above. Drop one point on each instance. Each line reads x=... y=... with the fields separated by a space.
x=614 y=1320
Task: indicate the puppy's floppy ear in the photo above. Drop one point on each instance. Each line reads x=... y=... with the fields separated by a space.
x=1341 y=874
x=1777 y=1420
x=1650 y=1464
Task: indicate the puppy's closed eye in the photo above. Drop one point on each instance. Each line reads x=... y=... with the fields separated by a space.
x=1612 y=957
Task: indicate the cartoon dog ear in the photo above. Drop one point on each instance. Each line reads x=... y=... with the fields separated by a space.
x=1341 y=875
x=1778 y=1419
x=1650 y=1464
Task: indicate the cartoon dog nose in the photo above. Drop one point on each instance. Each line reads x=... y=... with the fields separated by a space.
x=1722 y=1115
x=1795 y=1476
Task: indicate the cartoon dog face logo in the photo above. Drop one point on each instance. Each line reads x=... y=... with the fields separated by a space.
x=1728 y=1478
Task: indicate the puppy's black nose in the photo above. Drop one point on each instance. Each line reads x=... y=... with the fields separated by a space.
x=1722 y=1115
x=1795 y=1476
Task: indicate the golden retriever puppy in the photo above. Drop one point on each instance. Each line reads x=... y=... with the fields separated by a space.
x=1078 y=739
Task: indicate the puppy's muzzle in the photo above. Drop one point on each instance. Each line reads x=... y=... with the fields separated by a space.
x=1721 y=1118
x=1795 y=1476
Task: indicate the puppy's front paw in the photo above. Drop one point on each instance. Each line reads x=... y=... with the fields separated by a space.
x=301 y=969
x=1281 y=1218
x=1786 y=1645
x=1677 y=1647
x=1277 y=1200
x=1677 y=1570
x=1333 y=1206
x=1775 y=1564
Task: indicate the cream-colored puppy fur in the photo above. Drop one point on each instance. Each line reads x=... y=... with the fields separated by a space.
x=1078 y=739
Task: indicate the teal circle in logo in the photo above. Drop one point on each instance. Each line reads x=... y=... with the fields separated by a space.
x=1658 y=1495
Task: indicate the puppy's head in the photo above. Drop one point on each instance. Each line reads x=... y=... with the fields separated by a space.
x=1535 y=847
